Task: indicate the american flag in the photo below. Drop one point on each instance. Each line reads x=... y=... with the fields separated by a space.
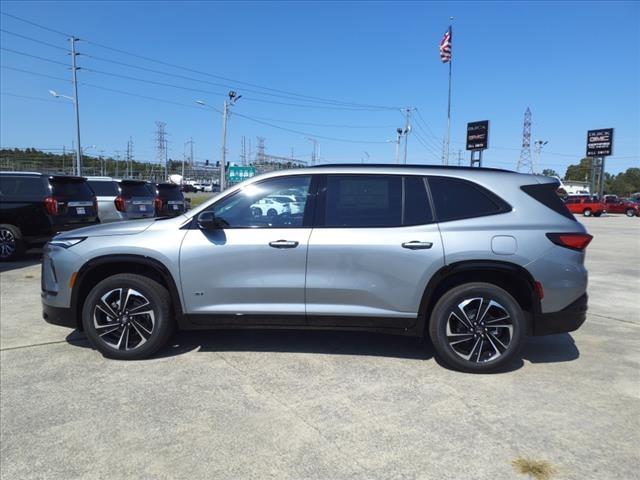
x=445 y=46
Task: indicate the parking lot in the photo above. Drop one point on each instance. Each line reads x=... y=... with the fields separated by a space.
x=299 y=405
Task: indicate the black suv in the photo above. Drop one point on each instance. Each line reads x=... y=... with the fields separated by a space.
x=34 y=207
x=172 y=201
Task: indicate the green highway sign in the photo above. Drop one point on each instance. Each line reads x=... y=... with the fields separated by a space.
x=239 y=174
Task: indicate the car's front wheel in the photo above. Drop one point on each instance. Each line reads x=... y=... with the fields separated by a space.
x=477 y=327
x=587 y=212
x=630 y=212
x=128 y=317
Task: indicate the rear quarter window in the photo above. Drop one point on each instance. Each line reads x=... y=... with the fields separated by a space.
x=545 y=193
x=456 y=199
x=71 y=188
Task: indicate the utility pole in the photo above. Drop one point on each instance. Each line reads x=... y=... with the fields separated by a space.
x=223 y=164
x=64 y=154
x=128 y=171
x=459 y=158
x=407 y=130
x=243 y=151
x=161 y=144
x=76 y=104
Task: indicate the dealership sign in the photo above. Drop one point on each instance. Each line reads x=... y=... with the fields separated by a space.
x=600 y=142
x=478 y=135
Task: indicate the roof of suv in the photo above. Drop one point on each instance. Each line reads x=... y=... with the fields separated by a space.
x=412 y=166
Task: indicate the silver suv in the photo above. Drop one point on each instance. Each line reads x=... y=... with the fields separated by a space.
x=474 y=258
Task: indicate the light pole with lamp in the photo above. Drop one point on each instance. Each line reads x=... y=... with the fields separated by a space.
x=231 y=101
x=79 y=150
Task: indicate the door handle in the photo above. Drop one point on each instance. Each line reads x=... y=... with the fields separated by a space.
x=416 y=245
x=283 y=244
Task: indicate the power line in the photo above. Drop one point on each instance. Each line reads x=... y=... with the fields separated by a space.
x=33 y=56
x=33 y=40
x=34 y=73
x=36 y=24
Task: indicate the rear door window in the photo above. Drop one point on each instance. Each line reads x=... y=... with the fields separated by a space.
x=363 y=201
x=455 y=199
x=103 y=189
x=71 y=188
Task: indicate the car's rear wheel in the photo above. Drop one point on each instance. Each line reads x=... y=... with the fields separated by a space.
x=587 y=212
x=477 y=327
x=11 y=243
x=272 y=212
x=128 y=317
x=630 y=212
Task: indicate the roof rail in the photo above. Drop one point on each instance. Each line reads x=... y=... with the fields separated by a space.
x=413 y=165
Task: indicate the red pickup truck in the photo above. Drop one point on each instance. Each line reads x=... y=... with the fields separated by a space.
x=617 y=205
x=585 y=205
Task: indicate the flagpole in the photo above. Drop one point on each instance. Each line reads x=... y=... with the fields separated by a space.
x=446 y=158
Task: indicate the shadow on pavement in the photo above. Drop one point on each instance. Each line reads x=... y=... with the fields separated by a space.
x=32 y=257
x=549 y=349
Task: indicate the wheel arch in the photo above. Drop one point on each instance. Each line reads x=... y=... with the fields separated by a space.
x=99 y=268
x=511 y=277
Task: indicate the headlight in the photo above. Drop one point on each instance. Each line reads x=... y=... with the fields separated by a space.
x=66 y=242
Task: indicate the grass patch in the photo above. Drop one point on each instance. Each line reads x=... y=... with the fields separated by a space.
x=536 y=469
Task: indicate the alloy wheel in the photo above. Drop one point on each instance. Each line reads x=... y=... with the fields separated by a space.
x=7 y=243
x=124 y=319
x=479 y=330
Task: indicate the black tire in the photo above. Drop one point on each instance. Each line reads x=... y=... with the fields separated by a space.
x=157 y=328
x=272 y=212
x=630 y=212
x=12 y=245
x=587 y=212
x=256 y=212
x=482 y=337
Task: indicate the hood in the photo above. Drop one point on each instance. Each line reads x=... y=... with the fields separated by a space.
x=127 y=227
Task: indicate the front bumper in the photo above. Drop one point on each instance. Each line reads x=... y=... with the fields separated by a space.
x=566 y=320
x=62 y=316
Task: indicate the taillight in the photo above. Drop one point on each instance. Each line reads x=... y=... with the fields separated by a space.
x=120 y=204
x=574 y=241
x=51 y=205
x=95 y=205
x=158 y=203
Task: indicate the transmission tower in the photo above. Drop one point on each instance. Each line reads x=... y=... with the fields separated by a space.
x=524 y=163
x=260 y=157
x=243 y=151
x=161 y=145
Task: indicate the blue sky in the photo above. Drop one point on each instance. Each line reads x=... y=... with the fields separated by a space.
x=575 y=64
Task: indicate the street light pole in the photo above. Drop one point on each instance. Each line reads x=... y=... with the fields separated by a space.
x=76 y=105
x=538 y=149
x=225 y=114
x=398 y=137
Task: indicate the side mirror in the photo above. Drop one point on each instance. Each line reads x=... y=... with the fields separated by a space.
x=207 y=221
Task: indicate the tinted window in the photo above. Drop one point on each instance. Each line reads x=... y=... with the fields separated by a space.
x=22 y=186
x=417 y=210
x=70 y=188
x=169 y=192
x=135 y=190
x=103 y=189
x=455 y=199
x=253 y=205
x=545 y=193
x=363 y=201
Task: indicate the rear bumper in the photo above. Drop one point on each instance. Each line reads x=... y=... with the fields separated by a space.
x=566 y=320
x=62 y=316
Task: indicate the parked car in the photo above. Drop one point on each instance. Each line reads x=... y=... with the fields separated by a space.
x=188 y=188
x=34 y=206
x=171 y=200
x=475 y=258
x=199 y=186
x=614 y=204
x=136 y=199
x=585 y=205
x=211 y=188
x=106 y=190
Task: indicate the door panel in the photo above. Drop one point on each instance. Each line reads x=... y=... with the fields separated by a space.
x=236 y=271
x=365 y=272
